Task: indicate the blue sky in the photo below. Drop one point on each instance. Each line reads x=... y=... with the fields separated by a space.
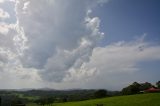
x=127 y=19
x=79 y=43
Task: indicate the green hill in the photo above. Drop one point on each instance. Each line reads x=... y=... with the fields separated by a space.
x=151 y=99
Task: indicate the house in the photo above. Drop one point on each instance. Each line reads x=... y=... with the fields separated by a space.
x=152 y=89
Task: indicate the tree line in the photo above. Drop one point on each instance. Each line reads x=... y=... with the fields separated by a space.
x=7 y=98
x=136 y=87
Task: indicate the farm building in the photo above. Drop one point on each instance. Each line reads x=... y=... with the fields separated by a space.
x=152 y=89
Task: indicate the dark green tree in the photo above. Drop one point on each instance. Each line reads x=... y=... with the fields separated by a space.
x=158 y=84
x=135 y=88
x=0 y=101
x=100 y=93
x=41 y=101
x=131 y=89
x=16 y=101
x=64 y=99
x=50 y=100
x=144 y=86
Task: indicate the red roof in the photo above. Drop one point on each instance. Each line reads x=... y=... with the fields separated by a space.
x=152 y=90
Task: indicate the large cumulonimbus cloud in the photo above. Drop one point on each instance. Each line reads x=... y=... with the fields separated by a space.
x=53 y=43
x=59 y=35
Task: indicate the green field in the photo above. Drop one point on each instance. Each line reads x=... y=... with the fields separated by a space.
x=152 y=99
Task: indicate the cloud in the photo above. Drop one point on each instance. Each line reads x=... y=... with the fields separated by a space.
x=3 y=14
x=7 y=48
x=1 y=1
x=60 y=36
x=54 y=43
x=4 y=28
x=118 y=63
x=113 y=66
x=123 y=56
x=19 y=77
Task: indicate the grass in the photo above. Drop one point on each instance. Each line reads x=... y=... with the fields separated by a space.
x=132 y=100
x=152 y=99
x=26 y=97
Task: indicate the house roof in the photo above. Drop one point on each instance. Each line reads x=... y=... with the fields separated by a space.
x=152 y=89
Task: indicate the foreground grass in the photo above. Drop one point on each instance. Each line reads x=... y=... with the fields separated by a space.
x=132 y=100
x=152 y=99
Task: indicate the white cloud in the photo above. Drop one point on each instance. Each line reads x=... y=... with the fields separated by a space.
x=51 y=37
x=57 y=39
x=3 y=14
x=123 y=56
x=54 y=43
x=19 y=77
x=113 y=66
x=116 y=63
x=1 y=1
x=4 y=28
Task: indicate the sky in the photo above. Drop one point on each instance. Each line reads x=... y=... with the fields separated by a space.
x=71 y=44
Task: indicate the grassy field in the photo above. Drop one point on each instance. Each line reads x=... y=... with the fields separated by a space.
x=152 y=99
x=26 y=97
x=133 y=100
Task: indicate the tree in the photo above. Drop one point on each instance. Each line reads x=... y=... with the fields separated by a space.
x=41 y=101
x=158 y=84
x=50 y=100
x=0 y=101
x=16 y=101
x=131 y=89
x=145 y=86
x=135 y=88
x=45 y=101
x=100 y=93
x=64 y=99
